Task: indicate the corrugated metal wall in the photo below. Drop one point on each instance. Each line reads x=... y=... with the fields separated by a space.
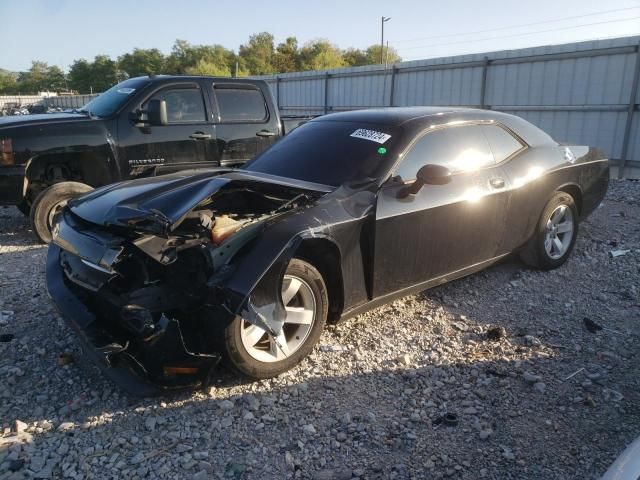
x=579 y=93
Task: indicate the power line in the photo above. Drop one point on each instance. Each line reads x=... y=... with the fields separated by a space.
x=517 y=26
x=520 y=34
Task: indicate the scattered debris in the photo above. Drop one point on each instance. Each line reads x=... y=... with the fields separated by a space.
x=333 y=348
x=591 y=326
x=6 y=337
x=574 y=374
x=496 y=333
x=449 y=419
x=618 y=253
x=612 y=395
x=5 y=316
x=65 y=358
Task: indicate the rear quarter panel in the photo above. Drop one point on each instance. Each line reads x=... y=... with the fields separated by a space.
x=536 y=174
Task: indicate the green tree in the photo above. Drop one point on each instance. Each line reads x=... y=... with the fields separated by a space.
x=390 y=55
x=355 y=57
x=8 y=82
x=197 y=59
x=96 y=76
x=39 y=78
x=286 y=57
x=257 y=54
x=204 y=67
x=142 y=62
x=320 y=55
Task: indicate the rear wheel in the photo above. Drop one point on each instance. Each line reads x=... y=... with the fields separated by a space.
x=555 y=234
x=49 y=202
x=256 y=353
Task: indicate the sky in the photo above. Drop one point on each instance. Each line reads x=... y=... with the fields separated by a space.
x=60 y=31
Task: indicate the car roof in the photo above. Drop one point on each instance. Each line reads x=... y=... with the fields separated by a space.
x=417 y=118
x=396 y=116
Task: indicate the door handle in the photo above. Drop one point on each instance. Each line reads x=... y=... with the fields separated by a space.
x=200 y=135
x=265 y=133
x=497 y=182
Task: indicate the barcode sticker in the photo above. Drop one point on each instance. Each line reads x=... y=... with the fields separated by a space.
x=372 y=135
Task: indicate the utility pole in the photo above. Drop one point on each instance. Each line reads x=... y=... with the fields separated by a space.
x=382 y=21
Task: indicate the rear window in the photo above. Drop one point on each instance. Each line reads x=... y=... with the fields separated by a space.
x=240 y=104
x=502 y=143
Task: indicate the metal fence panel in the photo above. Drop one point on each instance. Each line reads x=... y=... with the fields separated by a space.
x=578 y=92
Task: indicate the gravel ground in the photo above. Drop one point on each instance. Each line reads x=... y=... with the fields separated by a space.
x=370 y=400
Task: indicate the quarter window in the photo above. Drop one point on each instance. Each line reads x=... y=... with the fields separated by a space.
x=183 y=105
x=502 y=143
x=240 y=104
x=460 y=148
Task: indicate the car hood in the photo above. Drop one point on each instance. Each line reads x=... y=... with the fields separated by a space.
x=19 y=120
x=159 y=204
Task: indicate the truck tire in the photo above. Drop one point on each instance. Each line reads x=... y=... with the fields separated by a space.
x=49 y=202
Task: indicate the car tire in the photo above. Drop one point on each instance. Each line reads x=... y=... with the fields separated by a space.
x=242 y=357
x=48 y=202
x=552 y=241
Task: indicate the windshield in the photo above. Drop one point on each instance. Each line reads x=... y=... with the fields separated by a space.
x=109 y=102
x=330 y=152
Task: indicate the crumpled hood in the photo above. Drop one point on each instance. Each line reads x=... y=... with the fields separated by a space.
x=43 y=118
x=165 y=200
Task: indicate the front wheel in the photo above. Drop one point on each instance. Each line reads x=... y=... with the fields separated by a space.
x=49 y=202
x=555 y=234
x=255 y=353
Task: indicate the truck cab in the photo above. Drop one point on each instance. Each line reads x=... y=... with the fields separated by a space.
x=143 y=126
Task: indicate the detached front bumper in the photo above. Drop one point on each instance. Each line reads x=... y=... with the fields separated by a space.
x=140 y=367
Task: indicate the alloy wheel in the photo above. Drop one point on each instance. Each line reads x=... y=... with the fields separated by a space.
x=559 y=232
x=300 y=305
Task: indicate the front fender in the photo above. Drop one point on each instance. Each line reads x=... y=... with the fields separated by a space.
x=251 y=282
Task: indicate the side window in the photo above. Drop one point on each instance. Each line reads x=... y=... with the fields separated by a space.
x=240 y=104
x=459 y=148
x=502 y=143
x=183 y=105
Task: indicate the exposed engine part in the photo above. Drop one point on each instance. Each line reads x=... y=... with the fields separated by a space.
x=223 y=227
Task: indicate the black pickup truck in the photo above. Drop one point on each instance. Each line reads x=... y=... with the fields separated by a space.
x=143 y=126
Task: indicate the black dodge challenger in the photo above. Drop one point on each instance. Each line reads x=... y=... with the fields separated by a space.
x=162 y=277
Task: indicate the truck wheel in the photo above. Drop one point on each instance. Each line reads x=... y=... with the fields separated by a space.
x=49 y=202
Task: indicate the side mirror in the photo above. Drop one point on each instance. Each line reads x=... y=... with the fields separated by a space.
x=157 y=112
x=427 y=175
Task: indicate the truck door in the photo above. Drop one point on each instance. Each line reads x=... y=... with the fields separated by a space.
x=187 y=141
x=245 y=126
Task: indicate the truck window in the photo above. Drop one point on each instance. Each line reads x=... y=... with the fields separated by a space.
x=238 y=104
x=183 y=105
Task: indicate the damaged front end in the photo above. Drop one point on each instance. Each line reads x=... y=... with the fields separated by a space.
x=147 y=289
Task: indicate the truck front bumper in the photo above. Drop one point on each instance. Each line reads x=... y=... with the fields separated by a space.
x=11 y=184
x=140 y=367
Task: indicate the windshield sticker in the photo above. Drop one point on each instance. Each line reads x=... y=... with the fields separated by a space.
x=126 y=91
x=371 y=135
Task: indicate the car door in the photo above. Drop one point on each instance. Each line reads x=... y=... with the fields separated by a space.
x=188 y=139
x=245 y=127
x=443 y=228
